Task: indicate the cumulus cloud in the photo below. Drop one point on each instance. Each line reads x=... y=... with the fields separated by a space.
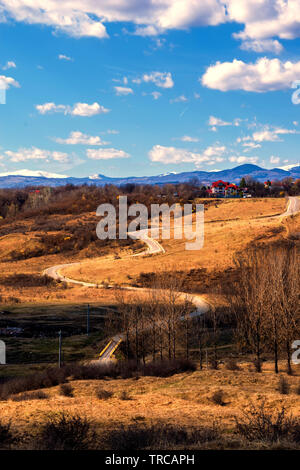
x=261 y=76
x=77 y=137
x=260 y=19
x=7 y=82
x=123 y=91
x=162 y=154
x=243 y=159
x=79 y=109
x=188 y=138
x=10 y=64
x=87 y=18
x=65 y=57
x=106 y=154
x=266 y=18
x=274 y=160
x=156 y=95
x=160 y=79
x=179 y=99
x=34 y=153
x=271 y=135
x=262 y=45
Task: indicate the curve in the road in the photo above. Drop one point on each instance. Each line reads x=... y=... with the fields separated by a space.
x=153 y=247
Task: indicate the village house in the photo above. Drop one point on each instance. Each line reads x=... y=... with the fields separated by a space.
x=225 y=189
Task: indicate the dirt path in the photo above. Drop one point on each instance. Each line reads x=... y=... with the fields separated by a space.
x=153 y=247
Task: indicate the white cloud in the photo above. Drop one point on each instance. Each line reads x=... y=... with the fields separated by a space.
x=266 y=18
x=262 y=76
x=243 y=159
x=10 y=64
x=6 y=82
x=65 y=57
x=162 y=154
x=79 y=109
x=106 y=154
x=260 y=19
x=86 y=18
x=274 y=160
x=160 y=79
x=77 y=137
x=34 y=153
x=262 y=45
x=179 y=99
x=214 y=122
x=188 y=138
x=268 y=135
x=123 y=91
x=156 y=94
x=251 y=145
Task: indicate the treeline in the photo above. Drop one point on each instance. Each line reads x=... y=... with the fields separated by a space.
x=263 y=317
x=70 y=199
x=277 y=188
x=265 y=302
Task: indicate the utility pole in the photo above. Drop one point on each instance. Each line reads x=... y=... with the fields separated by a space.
x=88 y=320
x=59 y=349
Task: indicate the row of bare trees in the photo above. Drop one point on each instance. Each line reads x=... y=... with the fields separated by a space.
x=263 y=315
x=265 y=301
x=157 y=323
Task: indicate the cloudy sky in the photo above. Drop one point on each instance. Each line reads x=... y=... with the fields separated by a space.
x=142 y=87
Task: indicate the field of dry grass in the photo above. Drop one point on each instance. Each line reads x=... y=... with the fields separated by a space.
x=230 y=225
x=184 y=399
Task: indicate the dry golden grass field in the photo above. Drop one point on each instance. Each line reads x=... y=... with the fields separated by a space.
x=184 y=399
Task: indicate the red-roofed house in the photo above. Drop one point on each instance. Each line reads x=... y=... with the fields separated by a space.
x=218 y=188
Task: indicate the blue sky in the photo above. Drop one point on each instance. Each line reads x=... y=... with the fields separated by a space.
x=141 y=91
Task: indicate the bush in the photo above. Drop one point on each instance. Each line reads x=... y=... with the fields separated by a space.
x=66 y=390
x=38 y=395
x=124 y=395
x=260 y=425
x=283 y=386
x=48 y=378
x=66 y=432
x=231 y=364
x=218 y=397
x=157 y=436
x=6 y=436
x=103 y=394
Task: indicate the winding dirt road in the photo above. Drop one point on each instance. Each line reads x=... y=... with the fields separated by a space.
x=153 y=247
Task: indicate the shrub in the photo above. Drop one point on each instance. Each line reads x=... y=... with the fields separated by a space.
x=103 y=394
x=6 y=436
x=260 y=425
x=124 y=395
x=38 y=395
x=231 y=364
x=48 y=378
x=158 y=436
x=283 y=386
x=66 y=390
x=218 y=397
x=66 y=432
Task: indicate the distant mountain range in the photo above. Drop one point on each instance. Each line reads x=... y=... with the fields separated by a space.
x=233 y=175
